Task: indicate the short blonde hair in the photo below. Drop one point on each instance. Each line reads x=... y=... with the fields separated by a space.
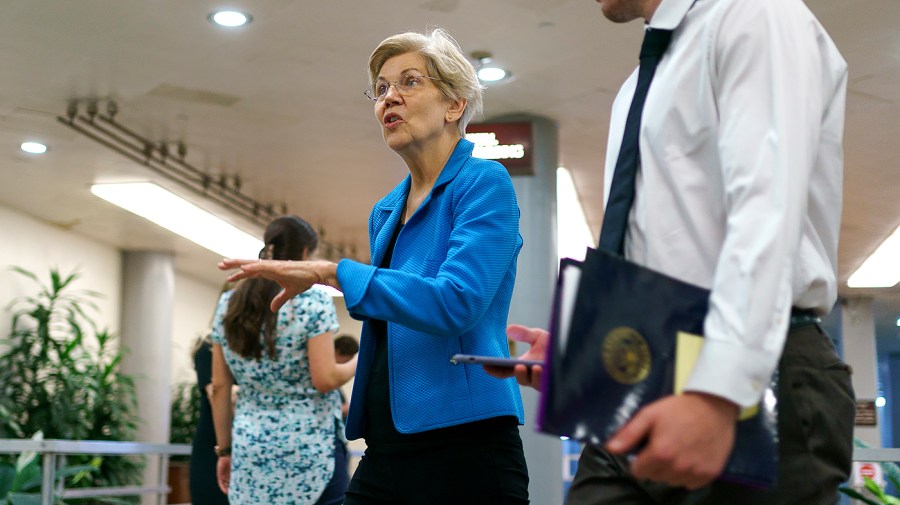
x=445 y=61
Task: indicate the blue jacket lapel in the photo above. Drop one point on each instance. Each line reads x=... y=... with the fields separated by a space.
x=389 y=211
x=391 y=207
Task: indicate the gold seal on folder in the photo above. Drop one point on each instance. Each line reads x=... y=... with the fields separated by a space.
x=626 y=355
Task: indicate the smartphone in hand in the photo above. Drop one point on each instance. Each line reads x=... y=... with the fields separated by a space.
x=469 y=359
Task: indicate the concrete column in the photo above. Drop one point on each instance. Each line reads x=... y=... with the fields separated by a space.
x=148 y=290
x=858 y=339
x=533 y=293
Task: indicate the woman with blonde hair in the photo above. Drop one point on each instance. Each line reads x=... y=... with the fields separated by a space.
x=444 y=245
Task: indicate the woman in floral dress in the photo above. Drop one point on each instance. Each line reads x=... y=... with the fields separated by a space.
x=280 y=446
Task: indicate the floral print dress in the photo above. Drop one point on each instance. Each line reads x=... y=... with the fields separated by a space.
x=283 y=432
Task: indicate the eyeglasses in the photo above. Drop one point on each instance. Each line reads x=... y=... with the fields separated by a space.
x=406 y=85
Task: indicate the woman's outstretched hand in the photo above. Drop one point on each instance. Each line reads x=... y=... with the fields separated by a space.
x=294 y=277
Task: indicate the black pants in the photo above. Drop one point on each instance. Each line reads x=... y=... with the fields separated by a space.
x=816 y=410
x=472 y=472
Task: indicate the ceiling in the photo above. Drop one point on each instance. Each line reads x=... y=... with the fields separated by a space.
x=279 y=103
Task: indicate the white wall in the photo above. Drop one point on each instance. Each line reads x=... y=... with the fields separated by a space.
x=37 y=246
x=195 y=303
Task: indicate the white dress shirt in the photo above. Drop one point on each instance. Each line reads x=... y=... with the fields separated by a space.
x=739 y=188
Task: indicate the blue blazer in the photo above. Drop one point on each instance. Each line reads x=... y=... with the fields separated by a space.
x=447 y=291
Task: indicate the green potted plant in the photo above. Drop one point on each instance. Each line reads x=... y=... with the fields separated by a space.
x=61 y=376
x=185 y=413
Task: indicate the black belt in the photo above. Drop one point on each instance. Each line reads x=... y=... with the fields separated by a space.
x=803 y=317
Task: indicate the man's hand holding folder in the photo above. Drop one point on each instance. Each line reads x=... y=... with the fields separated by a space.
x=679 y=450
x=623 y=340
x=676 y=441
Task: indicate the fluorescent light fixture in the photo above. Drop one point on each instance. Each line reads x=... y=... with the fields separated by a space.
x=882 y=268
x=573 y=235
x=33 y=147
x=180 y=217
x=491 y=74
x=230 y=18
x=185 y=219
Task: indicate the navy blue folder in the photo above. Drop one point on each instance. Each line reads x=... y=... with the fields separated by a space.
x=618 y=355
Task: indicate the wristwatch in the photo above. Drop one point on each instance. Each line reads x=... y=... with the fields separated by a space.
x=222 y=451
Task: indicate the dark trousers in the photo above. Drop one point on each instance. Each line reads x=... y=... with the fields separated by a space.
x=337 y=486
x=816 y=409
x=476 y=472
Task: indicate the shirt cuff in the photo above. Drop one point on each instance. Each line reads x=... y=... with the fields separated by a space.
x=733 y=372
x=354 y=279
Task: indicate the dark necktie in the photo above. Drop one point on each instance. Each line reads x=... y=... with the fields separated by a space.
x=621 y=193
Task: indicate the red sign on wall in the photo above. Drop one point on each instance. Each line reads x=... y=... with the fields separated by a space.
x=508 y=143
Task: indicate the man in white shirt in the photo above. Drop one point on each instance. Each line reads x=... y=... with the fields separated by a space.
x=739 y=191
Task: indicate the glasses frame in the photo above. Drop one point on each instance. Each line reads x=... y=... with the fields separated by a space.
x=402 y=89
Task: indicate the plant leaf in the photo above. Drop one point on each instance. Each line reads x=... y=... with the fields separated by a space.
x=26 y=474
x=26 y=273
x=874 y=488
x=892 y=472
x=7 y=476
x=79 y=471
x=856 y=495
x=25 y=498
x=25 y=460
x=31 y=483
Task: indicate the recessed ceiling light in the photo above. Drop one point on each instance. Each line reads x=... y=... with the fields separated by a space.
x=487 y=72
x=33 y=147
x=491 y=74
x=230 y=18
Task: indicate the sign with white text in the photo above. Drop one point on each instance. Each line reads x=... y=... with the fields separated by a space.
x=507 y=143
x=866 y=414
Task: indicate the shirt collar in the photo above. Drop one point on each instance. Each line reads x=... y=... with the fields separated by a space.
x=669 y=14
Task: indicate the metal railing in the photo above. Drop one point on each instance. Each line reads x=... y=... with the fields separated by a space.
x=52 y=450
x=876 y=454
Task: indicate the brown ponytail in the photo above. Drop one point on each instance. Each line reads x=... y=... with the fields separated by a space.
x=248 y=316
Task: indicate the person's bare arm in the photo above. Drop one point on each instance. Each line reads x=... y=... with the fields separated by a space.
x=327 y=374
x=220 y=400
